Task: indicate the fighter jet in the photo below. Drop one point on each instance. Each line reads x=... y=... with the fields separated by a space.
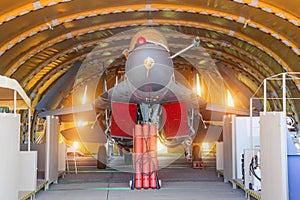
x=150 y=93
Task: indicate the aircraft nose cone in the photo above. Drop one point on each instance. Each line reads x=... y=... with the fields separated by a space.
x=149 y=68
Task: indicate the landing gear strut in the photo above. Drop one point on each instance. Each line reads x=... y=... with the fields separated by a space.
x=197 y=158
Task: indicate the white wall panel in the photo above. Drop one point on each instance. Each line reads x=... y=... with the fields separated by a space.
x=242 y=133
x=27 y=171
x=9 y=148
x=61 y=157
x=273 y=156
x=51 y=166
x=228 y=147
x=219 y=156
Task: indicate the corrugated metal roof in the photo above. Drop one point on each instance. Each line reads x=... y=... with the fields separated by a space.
x=40 y=40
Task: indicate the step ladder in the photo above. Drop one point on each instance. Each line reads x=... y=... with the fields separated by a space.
x=71 y=156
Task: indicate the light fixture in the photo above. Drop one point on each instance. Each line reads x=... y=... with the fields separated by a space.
x=198 y=85
x=75 y=145
x=49 y=25
x=246 y=23
x=230 y=101
x=81 y=123
x=205 y=146
x=84 y=95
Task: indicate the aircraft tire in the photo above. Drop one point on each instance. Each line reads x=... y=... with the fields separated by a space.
x=102 y=157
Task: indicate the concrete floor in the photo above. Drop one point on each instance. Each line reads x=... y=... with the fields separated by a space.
x=179 y=181
x=117 y=191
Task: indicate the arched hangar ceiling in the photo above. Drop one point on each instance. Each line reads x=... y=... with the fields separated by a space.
x=40 y=40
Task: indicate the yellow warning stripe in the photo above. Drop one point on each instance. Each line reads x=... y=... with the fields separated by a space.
x=256 y=196
x=33 y=192
x=250 y=192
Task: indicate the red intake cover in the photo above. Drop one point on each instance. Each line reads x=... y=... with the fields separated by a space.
x=176 y=120
x=123 y=119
